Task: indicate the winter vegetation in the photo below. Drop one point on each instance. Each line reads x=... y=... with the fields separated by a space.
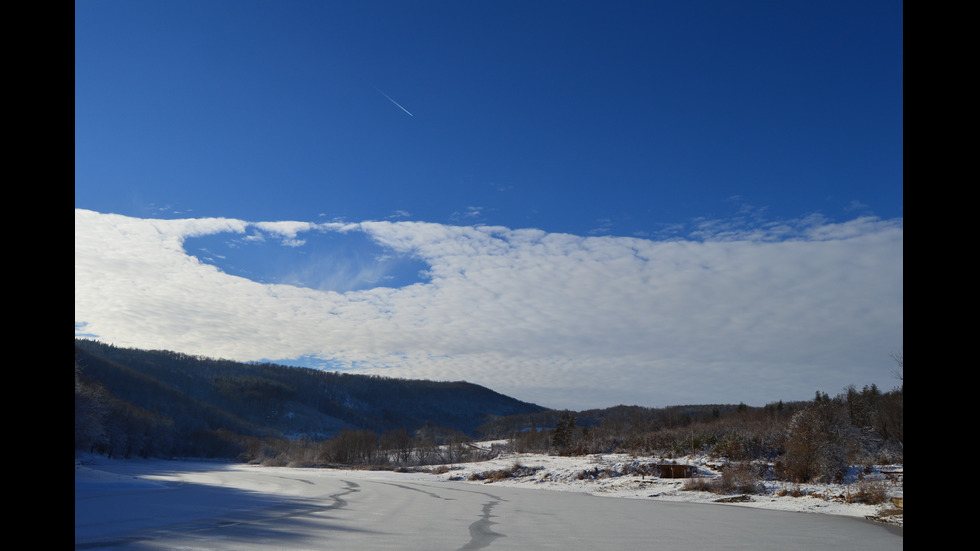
x=131 y=403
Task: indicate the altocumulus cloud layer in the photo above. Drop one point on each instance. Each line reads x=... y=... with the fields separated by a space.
x=557 y=319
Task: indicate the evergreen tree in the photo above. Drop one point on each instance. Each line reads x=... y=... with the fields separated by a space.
x=561 y=441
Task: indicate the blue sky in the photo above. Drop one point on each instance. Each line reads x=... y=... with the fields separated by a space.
x=606 y=136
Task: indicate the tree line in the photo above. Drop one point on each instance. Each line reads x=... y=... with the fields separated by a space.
x=798 y=441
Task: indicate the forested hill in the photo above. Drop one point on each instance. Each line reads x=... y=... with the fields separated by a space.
x=161 y=402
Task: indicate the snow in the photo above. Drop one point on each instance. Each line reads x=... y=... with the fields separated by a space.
x=558 y=473
x=195 y=505
x=564 y=474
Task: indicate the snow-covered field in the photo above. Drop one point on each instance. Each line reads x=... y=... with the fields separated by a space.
x=566 y=474
x=188 y=505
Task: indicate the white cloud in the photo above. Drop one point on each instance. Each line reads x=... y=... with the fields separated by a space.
x=562 y=320
x=286 y=231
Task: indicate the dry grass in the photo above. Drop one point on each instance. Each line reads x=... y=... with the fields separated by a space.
x=872 y=492
x=737 y=478
x=793 y=491
x=515 y=471
x=891 y=515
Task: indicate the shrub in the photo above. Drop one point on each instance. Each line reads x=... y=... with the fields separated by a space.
x=816 y=446
x=740 y=478
x=699 y=484
x=515 y=471
x=737 y=478
x=872 y=492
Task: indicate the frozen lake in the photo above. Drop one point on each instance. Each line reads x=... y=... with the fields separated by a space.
x=149 y=505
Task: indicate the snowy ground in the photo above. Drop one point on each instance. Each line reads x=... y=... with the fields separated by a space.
x=152 y=505
x=565 y=474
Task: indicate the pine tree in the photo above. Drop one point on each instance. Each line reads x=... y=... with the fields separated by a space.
x=564 y=432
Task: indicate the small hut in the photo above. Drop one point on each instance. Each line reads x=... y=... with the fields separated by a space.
x=677 y=471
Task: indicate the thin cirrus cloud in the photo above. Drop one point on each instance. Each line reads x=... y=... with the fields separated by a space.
x=727 y=315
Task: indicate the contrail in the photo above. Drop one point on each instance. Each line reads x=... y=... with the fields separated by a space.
x=395 y=102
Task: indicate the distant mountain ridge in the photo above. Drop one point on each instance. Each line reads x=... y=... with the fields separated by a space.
x=185 y=395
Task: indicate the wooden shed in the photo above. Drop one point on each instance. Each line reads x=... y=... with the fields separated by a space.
x=677 y=471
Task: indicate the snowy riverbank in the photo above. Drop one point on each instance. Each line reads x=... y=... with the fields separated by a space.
x=602 y=475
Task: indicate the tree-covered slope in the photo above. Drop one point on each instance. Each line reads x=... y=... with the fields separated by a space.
x=186 y=397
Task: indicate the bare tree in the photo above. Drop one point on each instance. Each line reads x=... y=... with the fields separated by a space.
x=898 y=372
